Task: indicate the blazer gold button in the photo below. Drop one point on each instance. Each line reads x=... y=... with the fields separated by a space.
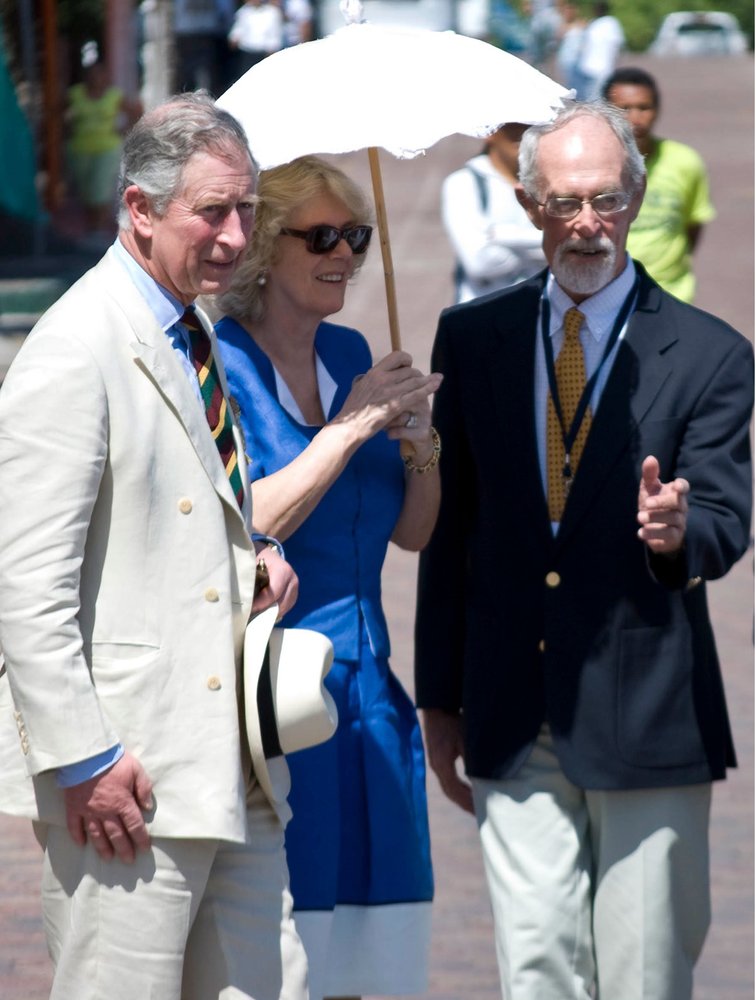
x=212 y=595
x=214 y=683
x=553 y=579
x=185 y=505
x=542 y=646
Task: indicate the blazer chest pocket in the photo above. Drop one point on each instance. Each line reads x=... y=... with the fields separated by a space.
x=660 y=438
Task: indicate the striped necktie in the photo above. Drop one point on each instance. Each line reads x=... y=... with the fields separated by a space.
x=217 y=408
x=570 y=377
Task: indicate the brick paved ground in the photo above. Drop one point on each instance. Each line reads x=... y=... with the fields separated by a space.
x=710 y=105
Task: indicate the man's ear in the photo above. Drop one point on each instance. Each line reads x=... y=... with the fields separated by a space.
x=637 y=201
x=138 y=206
x=529 y=205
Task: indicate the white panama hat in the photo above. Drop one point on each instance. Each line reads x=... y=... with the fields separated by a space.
x=286 y=705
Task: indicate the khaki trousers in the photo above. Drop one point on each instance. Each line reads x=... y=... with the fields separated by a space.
x=189 y=920
x=600 y=895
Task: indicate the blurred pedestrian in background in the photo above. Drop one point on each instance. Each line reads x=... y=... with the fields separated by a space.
x=543 y=31
x=200 y=28
x=568 y=49
x=676 y=205
x=322 y=425
x=97 y=115
x=494 y=241
x=298 y=21
x=600 y=44
x=256 y=32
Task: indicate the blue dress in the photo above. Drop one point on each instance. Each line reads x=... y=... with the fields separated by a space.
x=358 y=844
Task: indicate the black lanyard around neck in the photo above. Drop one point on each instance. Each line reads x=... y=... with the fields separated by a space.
x=570 y=434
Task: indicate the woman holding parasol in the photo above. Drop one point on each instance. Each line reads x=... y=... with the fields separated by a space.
x=323 y=427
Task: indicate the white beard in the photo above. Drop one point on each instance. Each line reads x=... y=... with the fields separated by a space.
x=583 y=274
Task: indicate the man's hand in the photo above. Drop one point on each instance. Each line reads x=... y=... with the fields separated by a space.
x=107 y=810
x=283 y=584
x=444 y=746
x=662 y=510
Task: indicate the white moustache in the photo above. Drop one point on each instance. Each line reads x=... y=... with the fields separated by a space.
x=596 y=244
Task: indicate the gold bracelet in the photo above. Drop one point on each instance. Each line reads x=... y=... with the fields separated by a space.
x=432 y=461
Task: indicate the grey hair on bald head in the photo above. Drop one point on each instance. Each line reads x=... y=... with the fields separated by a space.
x=634 y=169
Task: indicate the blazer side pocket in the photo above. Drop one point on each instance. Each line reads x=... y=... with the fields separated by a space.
x=656 y=716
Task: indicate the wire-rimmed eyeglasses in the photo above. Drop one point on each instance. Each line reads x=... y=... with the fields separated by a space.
x=609 y=203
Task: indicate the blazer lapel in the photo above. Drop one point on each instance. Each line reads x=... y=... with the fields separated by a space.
x=511 y=371
x=157 y=359
x=642 y=366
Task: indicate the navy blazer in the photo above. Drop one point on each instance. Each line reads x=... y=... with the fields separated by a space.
x=586 y=630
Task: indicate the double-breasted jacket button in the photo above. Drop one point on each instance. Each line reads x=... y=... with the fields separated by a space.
x=185 y=505
x=212 y=595
x=214 y=682
x=553 y=579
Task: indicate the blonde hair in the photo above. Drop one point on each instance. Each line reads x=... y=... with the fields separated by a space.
x=283 y=190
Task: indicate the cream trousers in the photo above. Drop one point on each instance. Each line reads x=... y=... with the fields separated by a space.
x=189 y=920
x=600 y=895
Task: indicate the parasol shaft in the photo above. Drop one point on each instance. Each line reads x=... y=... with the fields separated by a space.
x=388 y=265
x=383 y=233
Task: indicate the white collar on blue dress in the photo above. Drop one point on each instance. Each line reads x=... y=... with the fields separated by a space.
x=326 y=387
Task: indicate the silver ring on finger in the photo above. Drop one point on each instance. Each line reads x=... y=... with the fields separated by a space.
x=411 y=421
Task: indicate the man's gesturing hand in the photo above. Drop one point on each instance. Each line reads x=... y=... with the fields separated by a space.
x=662 y=510
x=107 y=810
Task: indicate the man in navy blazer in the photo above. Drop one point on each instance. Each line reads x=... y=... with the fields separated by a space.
x=567 y=654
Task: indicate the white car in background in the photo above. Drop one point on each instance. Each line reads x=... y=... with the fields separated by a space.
x=694 y=33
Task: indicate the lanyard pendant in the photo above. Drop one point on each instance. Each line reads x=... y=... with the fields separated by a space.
x=567 y=475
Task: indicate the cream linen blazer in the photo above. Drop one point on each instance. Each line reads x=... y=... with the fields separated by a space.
x=126 y=569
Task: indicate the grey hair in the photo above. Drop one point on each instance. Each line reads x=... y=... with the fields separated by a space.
x=634 y=169
x=160 y=144
x=282 y=190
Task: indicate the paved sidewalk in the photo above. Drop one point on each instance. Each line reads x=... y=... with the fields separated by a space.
x=708 y=103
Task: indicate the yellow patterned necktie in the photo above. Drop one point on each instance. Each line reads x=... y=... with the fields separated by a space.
x=570 y=380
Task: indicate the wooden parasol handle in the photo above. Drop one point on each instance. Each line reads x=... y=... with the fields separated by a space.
x=383 y=233
x=388 y=264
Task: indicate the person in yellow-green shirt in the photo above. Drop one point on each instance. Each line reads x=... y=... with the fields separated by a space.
x=676 y=205
x=97 y=115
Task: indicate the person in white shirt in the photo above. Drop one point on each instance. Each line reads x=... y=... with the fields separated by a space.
x=600 y=45
x=570 y=43
x=257 y=31
x=298 y=16
x=494 y=241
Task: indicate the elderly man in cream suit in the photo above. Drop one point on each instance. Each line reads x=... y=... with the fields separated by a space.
x=127 y=577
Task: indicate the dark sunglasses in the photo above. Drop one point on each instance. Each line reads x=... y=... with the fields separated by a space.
x=323 y=238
